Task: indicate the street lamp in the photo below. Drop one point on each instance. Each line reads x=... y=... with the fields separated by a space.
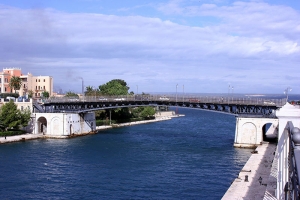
x=183 y=93
x=95 y=90
x=286 y=91
x=176 y=92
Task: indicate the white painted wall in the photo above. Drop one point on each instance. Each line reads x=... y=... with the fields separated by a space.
x=64 y=124
x=287 y=113
x=249 y=131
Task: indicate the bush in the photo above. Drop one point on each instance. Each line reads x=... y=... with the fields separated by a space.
x=12 y=133
x=4 y=95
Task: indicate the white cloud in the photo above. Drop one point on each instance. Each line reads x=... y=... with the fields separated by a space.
x=250 y=46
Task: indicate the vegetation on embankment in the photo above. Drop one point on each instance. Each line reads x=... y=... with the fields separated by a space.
x=12 y=119
x=119 y=115
x=123 y=115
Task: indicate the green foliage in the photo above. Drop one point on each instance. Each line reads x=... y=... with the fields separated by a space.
x=114 y=87
x=15 y=83
x=71 y=94
x=30 y=93
x=12 y=132
x=11 y=117
x=4 y=95
x=45 y=94
x=147 y=112
x=90 y=91
x=122 y=115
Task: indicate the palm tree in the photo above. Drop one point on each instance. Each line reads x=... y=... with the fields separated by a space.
x=90 y=91
x=15 y=83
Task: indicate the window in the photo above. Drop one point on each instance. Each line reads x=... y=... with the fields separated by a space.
x=35 y=80
x=44 y=87
x=0 y=80
x=44 y=80
x=39 y=80
x=5 y=89
x=0 y=90
x=36 y=87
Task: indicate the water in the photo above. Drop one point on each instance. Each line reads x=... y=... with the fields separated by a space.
x=190 y=157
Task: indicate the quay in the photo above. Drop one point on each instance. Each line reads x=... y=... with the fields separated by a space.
x=257 y=178
x=30 y=136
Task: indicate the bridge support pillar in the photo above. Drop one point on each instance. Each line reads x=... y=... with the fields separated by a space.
x=288 y=113
x=249 y=132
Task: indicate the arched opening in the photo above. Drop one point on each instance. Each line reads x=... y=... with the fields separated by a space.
x=42 y=125
x=71 y=129
x=269 y=131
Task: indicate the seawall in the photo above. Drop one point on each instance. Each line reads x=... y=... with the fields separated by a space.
x=255 y=180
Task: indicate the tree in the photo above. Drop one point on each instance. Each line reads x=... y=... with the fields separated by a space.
x=148 y=112
x=30 y=93
x=45 y=94
x=90 y=91
x=12 y=117
x=71 y=94
x=15 y=83
x=114 y=87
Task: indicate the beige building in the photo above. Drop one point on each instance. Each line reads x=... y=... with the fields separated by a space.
x=36 y=84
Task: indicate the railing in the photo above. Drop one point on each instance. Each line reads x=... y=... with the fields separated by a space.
x=292 y=186
x=173 y=98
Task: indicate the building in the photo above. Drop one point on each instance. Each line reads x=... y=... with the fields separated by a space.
x=5 y=77
x=36 y=84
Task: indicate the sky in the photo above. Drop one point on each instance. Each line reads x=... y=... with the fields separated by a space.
x=190 y=46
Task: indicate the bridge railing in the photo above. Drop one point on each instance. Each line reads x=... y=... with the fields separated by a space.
x=173 y=98
x=292 y=190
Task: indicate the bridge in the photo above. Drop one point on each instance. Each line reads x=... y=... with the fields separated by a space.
x=64 y=117
x=251 y=107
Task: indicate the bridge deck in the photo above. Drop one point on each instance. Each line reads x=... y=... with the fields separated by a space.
x=237 y=106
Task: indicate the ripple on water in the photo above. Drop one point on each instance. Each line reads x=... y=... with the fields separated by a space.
x=191 y=157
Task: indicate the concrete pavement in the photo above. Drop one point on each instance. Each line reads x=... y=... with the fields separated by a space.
x=254 y=178
x=20 y=138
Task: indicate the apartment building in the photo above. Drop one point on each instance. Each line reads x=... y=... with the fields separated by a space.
x=36 y=84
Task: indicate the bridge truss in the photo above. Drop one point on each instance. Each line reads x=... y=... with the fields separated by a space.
x=239 y=106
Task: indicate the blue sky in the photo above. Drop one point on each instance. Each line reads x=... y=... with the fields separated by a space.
x=253 y=46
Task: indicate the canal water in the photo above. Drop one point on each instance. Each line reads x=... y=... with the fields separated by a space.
x=189 y=157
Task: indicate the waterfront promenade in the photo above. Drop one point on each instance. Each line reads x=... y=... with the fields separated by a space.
x=257 y=179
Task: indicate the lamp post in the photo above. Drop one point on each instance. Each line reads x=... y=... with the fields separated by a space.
x=286 y=91
x=95 y=90
x=183 y=93
x=176 y=92
x=228 y=89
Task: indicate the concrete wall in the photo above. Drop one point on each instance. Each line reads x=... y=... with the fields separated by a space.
x=249 y=131
x=159 y=114
x=64 y=124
